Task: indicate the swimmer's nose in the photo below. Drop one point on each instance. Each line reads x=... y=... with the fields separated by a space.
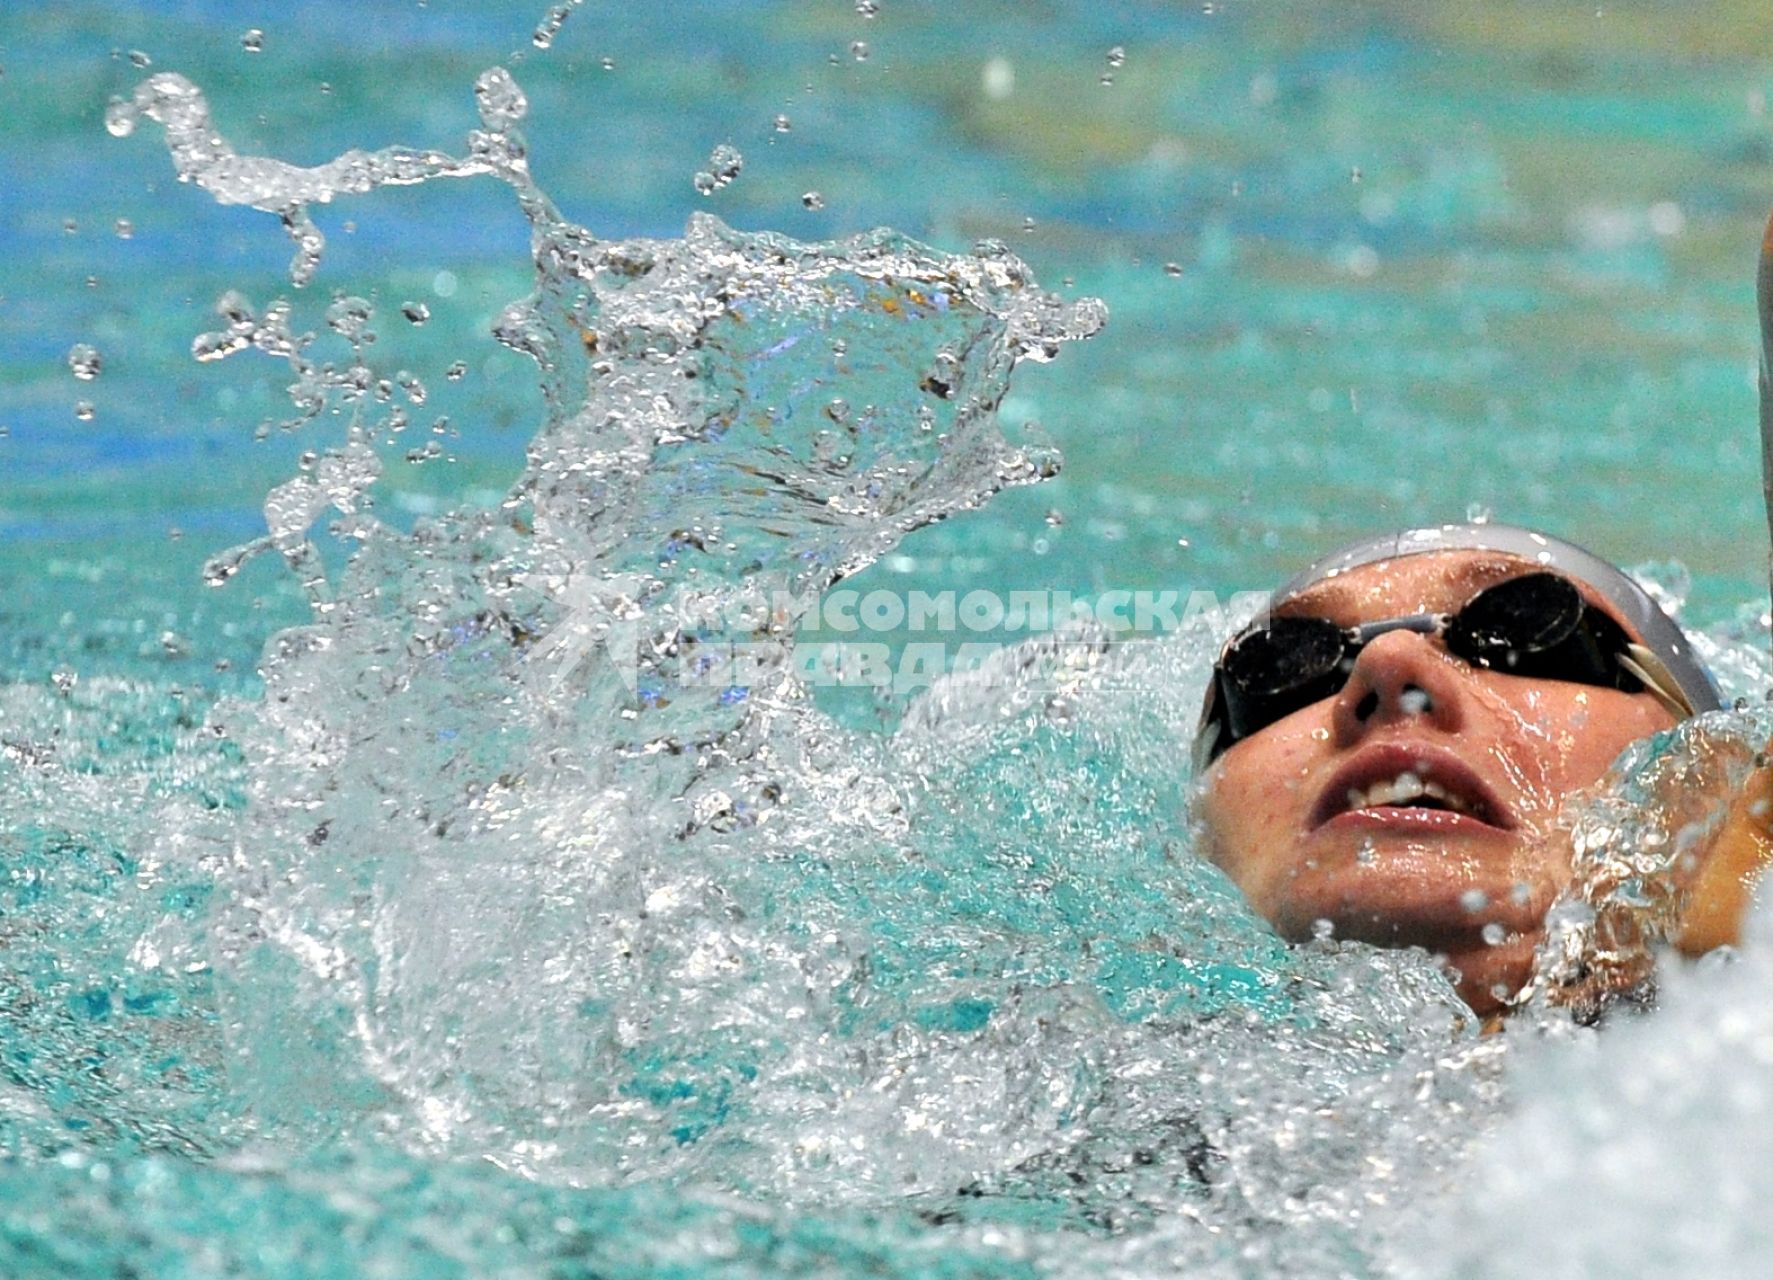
x=1400 y=676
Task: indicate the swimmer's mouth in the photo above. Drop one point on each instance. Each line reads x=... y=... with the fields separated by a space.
x=1400 y=783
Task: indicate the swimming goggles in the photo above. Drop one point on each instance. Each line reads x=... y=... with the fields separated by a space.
x=1537 y=625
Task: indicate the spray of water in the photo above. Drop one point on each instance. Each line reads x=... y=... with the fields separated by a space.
x=514 y=863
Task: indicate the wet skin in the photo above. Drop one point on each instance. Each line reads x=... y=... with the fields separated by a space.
x=1508 y=750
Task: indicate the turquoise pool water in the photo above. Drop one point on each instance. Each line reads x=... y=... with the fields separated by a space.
x=343 y=936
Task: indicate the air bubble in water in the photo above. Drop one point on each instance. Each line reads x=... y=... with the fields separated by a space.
x=417 y=312
x=868 y=8
x=550 y=25
x=783 y=124
x=124 y=228
x=500 y=101
x=813 y=200
x=1172 y=268
x=83 y=410
x=120 y=118
x=456 y=371
x=1117 y=58
x=139 y=59
x=70 y=226
x=859 y=50
x=84 y=360
x=253 y=41
x=608 y=64
x=724 y=164
x=349 y=317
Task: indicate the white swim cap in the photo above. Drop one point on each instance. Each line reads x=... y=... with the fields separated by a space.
x=1655 y=629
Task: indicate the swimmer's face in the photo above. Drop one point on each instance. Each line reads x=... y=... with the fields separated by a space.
x=1468 y=877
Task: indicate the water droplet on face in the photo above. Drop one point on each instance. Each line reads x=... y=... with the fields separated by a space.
x=1520 y=894
x=124 y=228
x=416 y=312
x=83 y=410
x=1494 y=934
x=813 y=200
x=84 y=361
x=253 y=41
x=1367 y=854
x=1473 y=900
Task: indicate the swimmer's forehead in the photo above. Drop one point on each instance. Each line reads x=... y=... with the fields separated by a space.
x=1429 y=582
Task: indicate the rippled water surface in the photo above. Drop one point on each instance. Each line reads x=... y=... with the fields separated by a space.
x=432 y=845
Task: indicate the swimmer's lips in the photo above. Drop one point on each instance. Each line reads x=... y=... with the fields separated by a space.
x=1481 y=809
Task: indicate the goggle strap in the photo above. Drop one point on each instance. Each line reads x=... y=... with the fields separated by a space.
x=1657 y=678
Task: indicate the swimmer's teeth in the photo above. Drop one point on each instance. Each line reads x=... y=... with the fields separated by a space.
x=1402 y=790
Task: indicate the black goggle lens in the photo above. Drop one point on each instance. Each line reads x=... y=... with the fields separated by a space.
x=1537 y=625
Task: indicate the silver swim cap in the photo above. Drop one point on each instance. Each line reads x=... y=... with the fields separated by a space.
x=1658 y=632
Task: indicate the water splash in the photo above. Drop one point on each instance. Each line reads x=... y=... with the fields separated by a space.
x=516 y=878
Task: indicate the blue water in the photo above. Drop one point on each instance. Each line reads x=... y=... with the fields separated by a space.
x=357 y=972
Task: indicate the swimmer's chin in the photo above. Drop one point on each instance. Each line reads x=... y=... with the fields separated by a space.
x=1437 y=895
x=1404 y=911
x=1487 y=977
